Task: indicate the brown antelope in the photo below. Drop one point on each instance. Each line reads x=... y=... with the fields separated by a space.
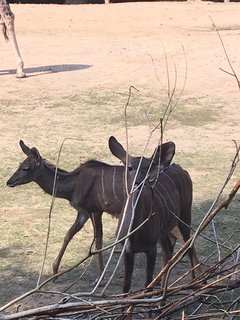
x=92 y=188
x=163 y=199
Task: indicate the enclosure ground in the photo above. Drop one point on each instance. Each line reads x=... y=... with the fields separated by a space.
x=80 y=62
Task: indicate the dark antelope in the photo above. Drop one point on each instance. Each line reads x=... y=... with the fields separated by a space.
x=92 y=188
x=163 y=198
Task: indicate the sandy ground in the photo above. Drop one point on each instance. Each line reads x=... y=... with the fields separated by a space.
x=72 y=49
x=76 y=47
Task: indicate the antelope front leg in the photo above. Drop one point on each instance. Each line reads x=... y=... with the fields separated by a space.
x=98 y=233
x=129 y=264
x=151 y=260
x=12 y=37
x=81 y=219
x=20 y=73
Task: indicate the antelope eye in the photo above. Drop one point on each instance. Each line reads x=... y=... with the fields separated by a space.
x=25 y=168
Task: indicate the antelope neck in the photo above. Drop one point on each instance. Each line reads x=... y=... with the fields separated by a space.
x=64 y=184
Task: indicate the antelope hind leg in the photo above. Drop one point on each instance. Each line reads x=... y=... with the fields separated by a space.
x=81 y=219
x=192 y=252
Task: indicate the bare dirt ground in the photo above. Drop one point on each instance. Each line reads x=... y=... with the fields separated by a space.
x=109 y=46
x=71 y=49
x=80 y=61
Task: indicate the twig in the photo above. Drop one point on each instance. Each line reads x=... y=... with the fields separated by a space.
x=50 y=213
x=233 y=73
x=52 y=310
x=214 y=315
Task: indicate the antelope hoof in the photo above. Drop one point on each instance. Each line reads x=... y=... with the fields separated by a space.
x=21 y=75
x=56 y=277
x=101 y=284
x=54 y=269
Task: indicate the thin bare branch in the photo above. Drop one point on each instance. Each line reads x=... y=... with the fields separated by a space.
x=233 y=73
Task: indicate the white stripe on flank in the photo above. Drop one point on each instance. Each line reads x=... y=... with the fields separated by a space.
x=114 y=182
x=102 y=178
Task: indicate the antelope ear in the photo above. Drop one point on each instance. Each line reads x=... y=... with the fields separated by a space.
x=24 y=148
x=117 y=149
x=35 y=153
x=164 y=154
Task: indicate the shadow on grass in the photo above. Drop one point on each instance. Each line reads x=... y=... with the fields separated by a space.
x=226 y=224
x=16 y=277
x=58 y=68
